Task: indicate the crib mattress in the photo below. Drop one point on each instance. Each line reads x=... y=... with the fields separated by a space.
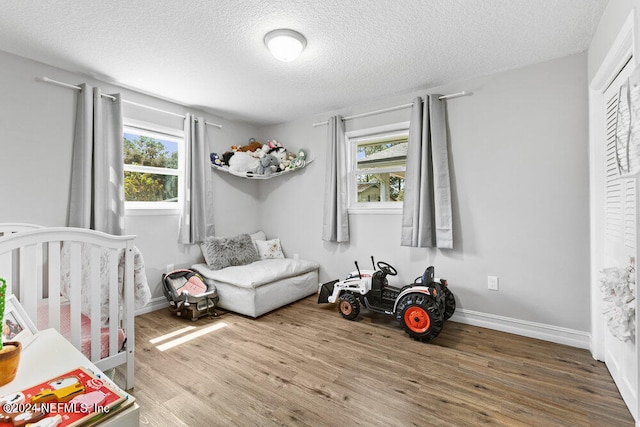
x=85 y=325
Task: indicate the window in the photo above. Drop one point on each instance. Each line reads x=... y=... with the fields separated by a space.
x=152 y=166
x=377 y=164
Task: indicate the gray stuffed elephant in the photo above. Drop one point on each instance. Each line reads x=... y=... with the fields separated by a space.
x=266 y=162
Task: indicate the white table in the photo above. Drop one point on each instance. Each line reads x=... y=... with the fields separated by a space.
x=49 y=355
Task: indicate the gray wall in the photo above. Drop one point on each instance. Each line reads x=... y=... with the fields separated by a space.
x=519 y=161
x=520 y=180
x=36 y=134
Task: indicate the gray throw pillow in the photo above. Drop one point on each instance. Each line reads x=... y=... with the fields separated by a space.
x=221 y=252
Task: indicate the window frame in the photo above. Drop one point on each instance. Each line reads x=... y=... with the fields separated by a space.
x=352 y=140
x=154 y=130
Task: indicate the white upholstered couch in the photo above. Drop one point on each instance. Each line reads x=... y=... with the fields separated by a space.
x=258 y=287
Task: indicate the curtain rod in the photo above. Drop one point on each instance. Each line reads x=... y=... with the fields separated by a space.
x=397 y=107
x=70 y=86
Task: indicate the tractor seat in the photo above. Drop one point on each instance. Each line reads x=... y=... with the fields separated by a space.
x=378 y=282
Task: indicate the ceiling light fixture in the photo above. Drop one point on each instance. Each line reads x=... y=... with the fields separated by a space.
x=285 y=44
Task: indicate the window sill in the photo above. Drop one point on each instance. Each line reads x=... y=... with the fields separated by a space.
x=375 y=211
x=137 y=211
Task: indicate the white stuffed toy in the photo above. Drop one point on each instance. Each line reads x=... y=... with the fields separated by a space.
x=243 y=162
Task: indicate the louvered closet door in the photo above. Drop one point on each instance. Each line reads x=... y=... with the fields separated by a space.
x=620 y=242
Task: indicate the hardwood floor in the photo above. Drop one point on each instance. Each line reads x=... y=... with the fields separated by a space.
x=305 y=365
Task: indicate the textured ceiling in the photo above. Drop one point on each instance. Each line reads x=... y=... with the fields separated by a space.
x=210 y=54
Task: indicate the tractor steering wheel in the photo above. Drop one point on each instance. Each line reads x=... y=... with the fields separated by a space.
x=387 y=269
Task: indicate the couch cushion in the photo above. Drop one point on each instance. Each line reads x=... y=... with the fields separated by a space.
x=258 y=273
x=221 y=252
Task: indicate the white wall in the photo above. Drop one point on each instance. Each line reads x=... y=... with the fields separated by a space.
x=519 y=171
x=519 y=163
x=36 y=135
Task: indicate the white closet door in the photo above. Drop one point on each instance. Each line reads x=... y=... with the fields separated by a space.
x=620 y=241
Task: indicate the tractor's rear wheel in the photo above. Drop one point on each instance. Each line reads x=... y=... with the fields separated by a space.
x=349 y=306
x=449 y=303
x=420 y=316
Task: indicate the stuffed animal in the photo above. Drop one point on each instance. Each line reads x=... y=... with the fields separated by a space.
x=272 y=143
x=289 y=158
x=226 y=156
x=281 y=154
x=258 y=153
x=215 y=159
x=266 y=162
x=300 y=159
x=253 y=146
x=242 y=162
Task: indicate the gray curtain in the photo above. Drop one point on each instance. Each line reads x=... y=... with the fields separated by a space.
x=195 y=221
x=426 y=208
x=97 y=175
x=335 y=224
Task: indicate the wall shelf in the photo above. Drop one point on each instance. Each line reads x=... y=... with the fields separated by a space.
x=251 y=175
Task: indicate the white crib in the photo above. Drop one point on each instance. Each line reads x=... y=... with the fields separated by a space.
x=78 y=281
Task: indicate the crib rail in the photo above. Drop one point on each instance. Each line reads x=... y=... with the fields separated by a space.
x=16 y=227
x=50 y=267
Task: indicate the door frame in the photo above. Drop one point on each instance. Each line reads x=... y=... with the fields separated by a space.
x=622 y=49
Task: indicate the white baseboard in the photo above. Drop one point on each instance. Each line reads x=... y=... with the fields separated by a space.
x=525 y=328
x=157 y=303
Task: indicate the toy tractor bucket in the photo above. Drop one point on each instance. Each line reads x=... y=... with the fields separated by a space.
x=325 y=291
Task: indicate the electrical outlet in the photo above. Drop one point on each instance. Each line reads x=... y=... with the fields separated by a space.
x=492 y=283
x=169 y=268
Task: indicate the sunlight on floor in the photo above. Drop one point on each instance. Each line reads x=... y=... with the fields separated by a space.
x=171 y=334
x=185 y=338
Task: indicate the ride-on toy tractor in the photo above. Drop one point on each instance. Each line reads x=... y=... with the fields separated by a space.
x=421 y=307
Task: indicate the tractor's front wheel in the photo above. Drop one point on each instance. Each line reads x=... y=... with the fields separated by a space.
x=420 y=316
x=349 y=306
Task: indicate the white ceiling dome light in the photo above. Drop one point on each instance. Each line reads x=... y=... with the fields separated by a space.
x=286 y=45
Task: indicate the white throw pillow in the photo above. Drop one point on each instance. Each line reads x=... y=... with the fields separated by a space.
x=269 y=249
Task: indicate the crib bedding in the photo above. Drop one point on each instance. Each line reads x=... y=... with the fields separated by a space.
x=85 y=326
x=142 y=292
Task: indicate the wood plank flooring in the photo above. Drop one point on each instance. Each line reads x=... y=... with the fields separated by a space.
x=304 y=365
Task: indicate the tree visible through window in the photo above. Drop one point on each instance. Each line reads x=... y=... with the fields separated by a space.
x=151 y=167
